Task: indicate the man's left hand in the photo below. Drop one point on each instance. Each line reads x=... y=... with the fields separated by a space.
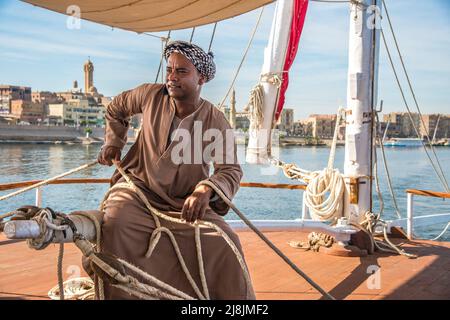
x=196 y=204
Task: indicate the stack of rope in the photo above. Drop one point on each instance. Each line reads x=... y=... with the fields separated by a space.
x=325 y=190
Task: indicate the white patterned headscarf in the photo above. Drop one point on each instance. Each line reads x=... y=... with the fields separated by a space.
x=201 y=60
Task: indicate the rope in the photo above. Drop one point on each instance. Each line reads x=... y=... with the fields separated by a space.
x=156 y=235
x=212 y=37
x=161 y=61
x=315 y=241
x=386 y=169
x=243 y=58
x=275 y=78
x=320 y=183
x=45 y=182
x=192 y=35
x=255 y=106
x=60 y=273
x=74 y=289
x=413 y=95
x=442 y=233
x=155 y=213
x=264 y=238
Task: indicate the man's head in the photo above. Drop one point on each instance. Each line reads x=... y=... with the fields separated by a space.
x=188 y=68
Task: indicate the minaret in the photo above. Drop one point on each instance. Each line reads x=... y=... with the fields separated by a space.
x=88 y=76
x=233 y=110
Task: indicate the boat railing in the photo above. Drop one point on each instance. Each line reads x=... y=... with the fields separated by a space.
x=410 y=219
x=38 y=190
x=340 y=233
x=410 y=207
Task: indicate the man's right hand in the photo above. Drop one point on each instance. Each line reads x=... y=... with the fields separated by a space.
x=108 y=154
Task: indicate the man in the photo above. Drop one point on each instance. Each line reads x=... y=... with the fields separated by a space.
x=170 y=185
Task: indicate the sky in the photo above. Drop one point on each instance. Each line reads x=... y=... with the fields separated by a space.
x=38 y=50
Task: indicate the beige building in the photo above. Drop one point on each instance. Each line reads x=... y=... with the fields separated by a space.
x=89 y=87
x=436 y=125
x=400 y=124
x=302 y=128
x=77 y=112
x=31 y=112
x=320 y=126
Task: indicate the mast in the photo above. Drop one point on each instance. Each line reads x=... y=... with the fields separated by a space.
x=361 y=101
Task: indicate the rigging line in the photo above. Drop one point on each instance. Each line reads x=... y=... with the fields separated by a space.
x=386 y=169
x=409 y=111
x=243 y=58
x=212 y=37
x=414 y=94
x=192 y=35
x=152 y=35
x=162 y=54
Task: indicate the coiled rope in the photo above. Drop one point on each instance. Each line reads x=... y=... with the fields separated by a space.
x=325 y=190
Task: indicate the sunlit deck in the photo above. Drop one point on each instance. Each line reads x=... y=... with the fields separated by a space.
x=29 y=274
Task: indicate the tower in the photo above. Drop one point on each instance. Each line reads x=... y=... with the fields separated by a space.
x=233 y=110
x=88 y=76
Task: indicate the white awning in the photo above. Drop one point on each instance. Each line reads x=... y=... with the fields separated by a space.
x=152 y=15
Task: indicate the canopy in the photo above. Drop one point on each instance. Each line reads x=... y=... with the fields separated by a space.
x=153 y=15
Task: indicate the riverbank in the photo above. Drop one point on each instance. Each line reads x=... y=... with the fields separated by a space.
x=39 y=134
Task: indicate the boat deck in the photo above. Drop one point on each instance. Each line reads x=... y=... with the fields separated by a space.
x=30 y=274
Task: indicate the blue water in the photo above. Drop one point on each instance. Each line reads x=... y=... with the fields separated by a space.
x=409 y=168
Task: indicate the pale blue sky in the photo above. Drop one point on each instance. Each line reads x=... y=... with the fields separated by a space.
x=37 y=50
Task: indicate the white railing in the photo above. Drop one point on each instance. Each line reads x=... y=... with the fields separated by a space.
x=412 y=221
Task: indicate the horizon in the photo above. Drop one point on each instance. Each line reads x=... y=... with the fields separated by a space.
x=55 y=55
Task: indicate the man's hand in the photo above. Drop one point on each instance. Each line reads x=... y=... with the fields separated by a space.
x=108 y=154
x=196 y=204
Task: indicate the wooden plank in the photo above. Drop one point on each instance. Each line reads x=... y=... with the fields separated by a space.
x=15 y=185
x=428 y=193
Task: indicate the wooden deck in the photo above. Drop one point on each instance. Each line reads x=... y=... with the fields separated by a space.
x=29 y=274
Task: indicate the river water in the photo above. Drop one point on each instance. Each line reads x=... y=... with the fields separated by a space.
x=409 y=168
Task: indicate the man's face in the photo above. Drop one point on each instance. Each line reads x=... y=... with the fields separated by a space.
x=183 y=81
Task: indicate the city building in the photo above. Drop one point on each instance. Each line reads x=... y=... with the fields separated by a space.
x=320 y=126
x=286 y=121
x=400 y=124
x=89 y=87
x=28 y=111
x=78 y=112
x=9 y=93
x=435 y=126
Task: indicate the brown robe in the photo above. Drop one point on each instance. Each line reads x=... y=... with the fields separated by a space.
x=127 y=223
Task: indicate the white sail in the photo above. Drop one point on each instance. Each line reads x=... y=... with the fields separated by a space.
x=274 y=57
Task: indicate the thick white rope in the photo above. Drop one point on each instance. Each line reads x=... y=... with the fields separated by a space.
x=325 y=188
x=154 y=239
x=255 y=105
